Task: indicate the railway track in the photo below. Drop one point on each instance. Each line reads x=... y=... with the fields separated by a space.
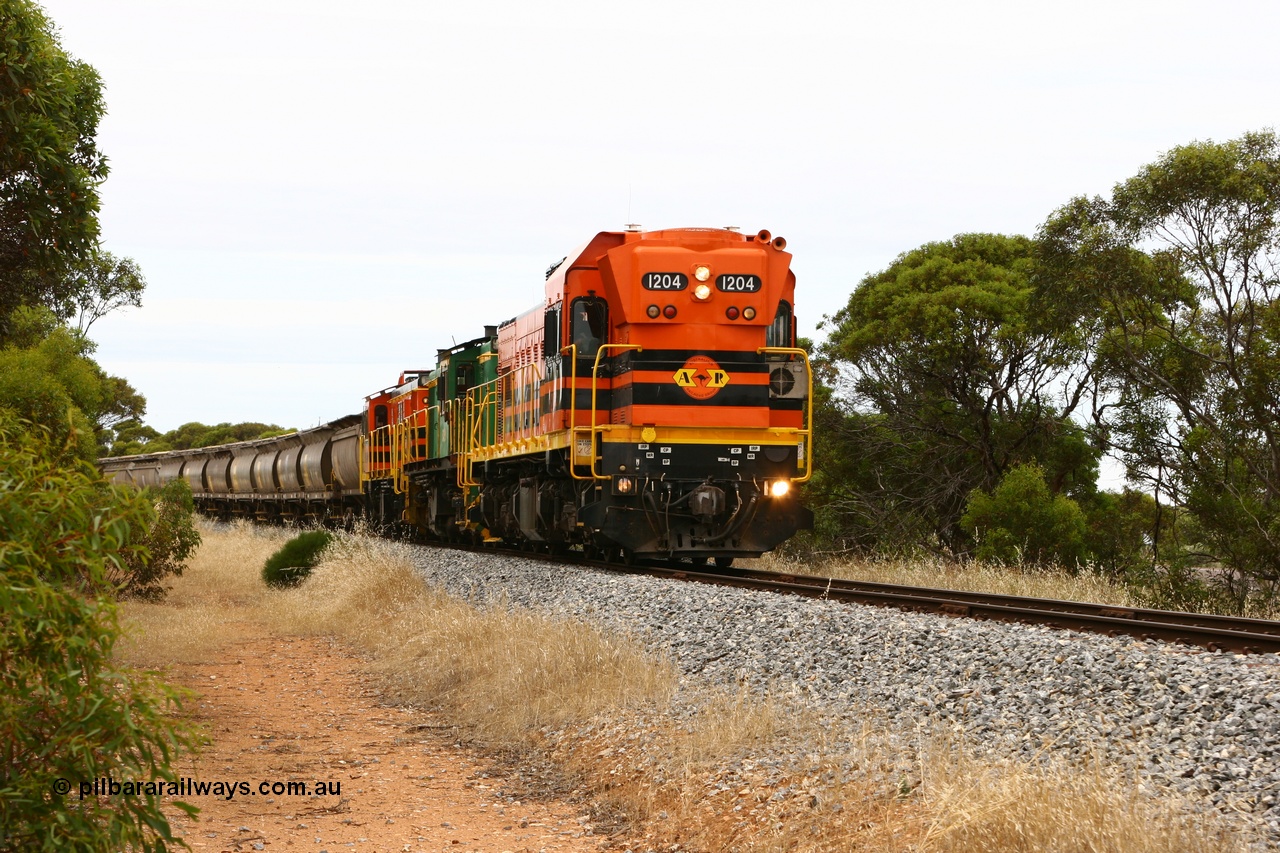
x=1226 y=633
x=1216 y=633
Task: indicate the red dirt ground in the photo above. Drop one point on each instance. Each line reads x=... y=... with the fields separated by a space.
x=280 y=709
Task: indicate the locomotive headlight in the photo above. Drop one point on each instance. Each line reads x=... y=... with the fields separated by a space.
x=779 y=488
x=702 y=292
x=625 y=485
x=702 y=273
x=653 y=311
x=748 y=313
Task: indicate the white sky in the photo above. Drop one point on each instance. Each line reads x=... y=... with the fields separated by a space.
x=321 y=194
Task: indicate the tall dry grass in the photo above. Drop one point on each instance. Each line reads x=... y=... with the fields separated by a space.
x=691 y=767
x=871 y=794
x=220 y=589
x=972 y=576
x=983 y=804
x=505 y=672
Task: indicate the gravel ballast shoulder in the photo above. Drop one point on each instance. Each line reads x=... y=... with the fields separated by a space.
x=1204 y=723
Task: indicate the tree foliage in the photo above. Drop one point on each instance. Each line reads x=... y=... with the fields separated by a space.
x=958 y=367
x=1183 y=260
x=1021 y=522
x=100 y=285
x=67 y=710
x=135 y=437
x=167 y=543
x=50 y=166
x=47 y=377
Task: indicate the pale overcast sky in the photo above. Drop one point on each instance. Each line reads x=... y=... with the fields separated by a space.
x=321 y=194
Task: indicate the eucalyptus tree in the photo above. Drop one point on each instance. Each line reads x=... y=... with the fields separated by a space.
x=1183 y=262
x=960 y=365
x=50 y=165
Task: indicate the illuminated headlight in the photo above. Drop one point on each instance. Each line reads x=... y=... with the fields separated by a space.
x=702 y=273
x=702 y=292
x=779 y=488
x=625 y=485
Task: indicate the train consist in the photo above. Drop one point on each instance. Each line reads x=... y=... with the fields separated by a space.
x=654 y=403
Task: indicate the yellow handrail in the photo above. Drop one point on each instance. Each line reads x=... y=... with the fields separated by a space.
x=406 y=446
x=475 y=427
x=463 y=461
x=595 y=378
x=572 y=352
x=807 y=430
x=381 y=439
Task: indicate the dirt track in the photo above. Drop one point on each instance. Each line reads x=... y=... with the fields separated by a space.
x=298 y=709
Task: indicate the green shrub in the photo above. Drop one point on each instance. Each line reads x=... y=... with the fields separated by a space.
x=1120 y=525
x=68 y=713
x=296 y=558
x=1022 y=522
x=169 y=540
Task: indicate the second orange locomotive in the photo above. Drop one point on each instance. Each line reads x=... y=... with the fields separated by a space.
x=654 y=403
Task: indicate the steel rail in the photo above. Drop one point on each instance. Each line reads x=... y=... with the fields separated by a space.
x=1213 y=632
x=1226 y=633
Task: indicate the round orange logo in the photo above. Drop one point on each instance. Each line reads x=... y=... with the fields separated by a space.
x=701 y=378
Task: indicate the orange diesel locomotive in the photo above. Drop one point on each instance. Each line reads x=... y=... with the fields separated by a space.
x=654 y=403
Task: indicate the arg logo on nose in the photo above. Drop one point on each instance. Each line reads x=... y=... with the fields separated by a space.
x=701 y=378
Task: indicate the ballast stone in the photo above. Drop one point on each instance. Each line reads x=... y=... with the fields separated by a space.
x=1205 y=723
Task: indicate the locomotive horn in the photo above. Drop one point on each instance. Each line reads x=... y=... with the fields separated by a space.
x=780 y=243
x=764 y=236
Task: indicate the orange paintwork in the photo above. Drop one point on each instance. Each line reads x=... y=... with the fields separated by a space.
x=611 y=267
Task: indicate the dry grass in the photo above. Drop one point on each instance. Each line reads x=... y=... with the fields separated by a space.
x=221 y=586
x=507 y=673
x=1001 y=805
x=971 y=576
x=601 y=707
x=931 y=797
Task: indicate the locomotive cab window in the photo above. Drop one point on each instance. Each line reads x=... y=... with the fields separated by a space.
x=379 y=416
x=590 y=325
x=779 y=331
x=465 y=372
x=551 y=333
